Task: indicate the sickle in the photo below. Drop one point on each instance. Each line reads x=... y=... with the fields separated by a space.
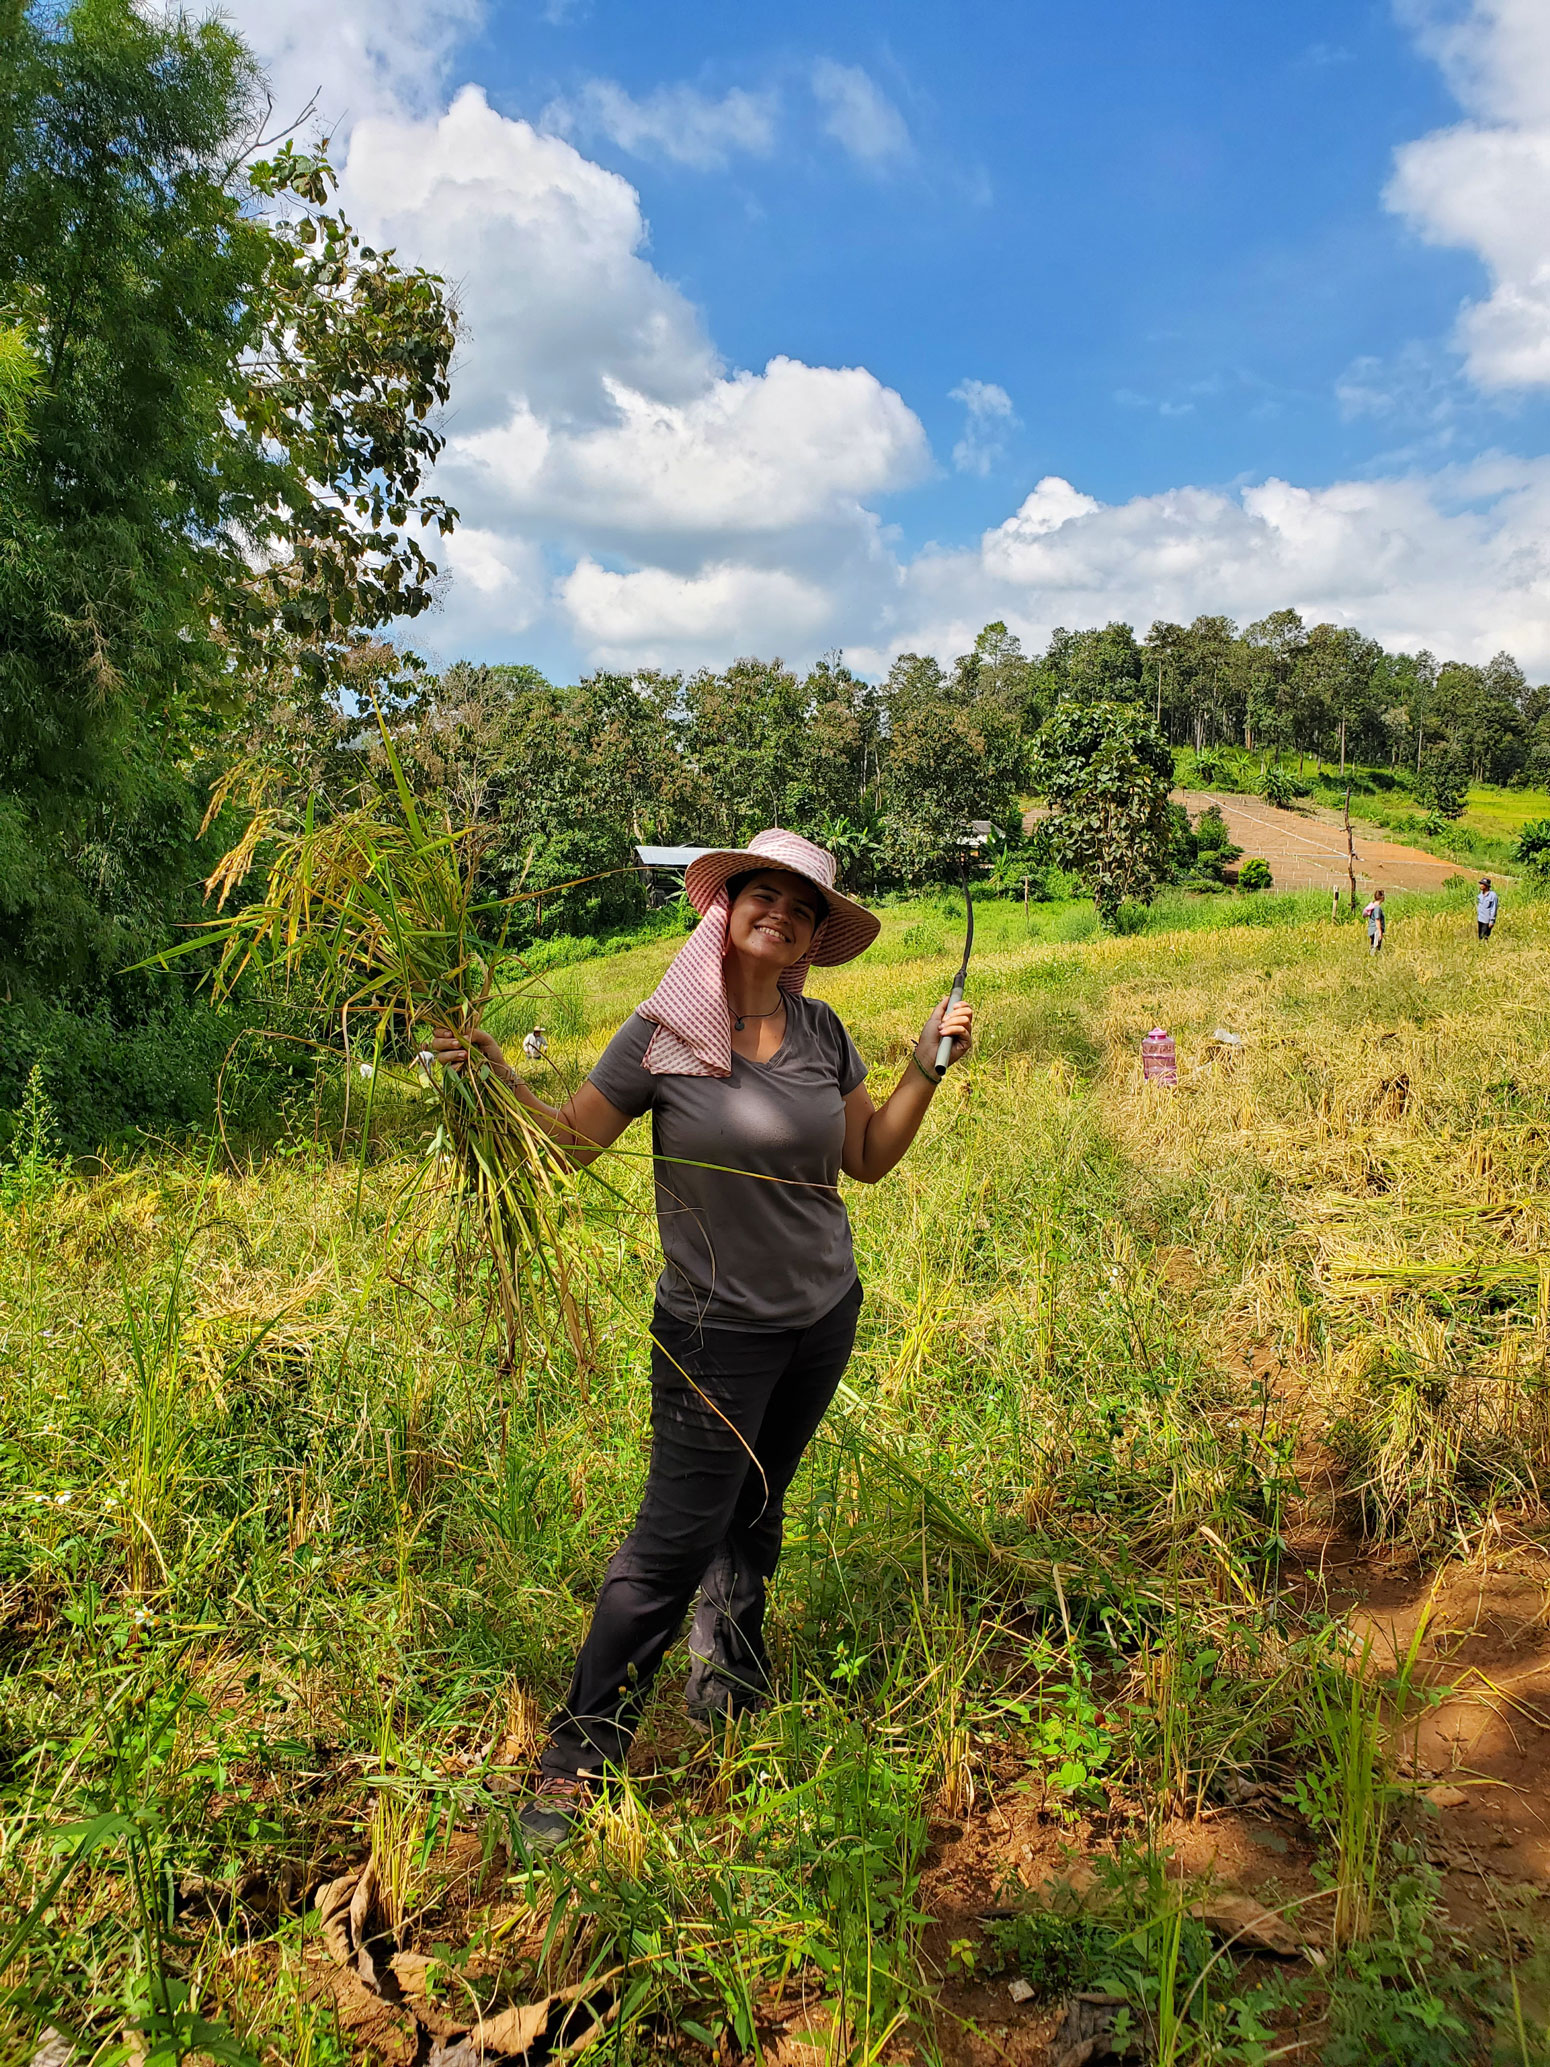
x=944 y=1046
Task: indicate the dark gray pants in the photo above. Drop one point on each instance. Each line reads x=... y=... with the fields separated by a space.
x=724 y=1449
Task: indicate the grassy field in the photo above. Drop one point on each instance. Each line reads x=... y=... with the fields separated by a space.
x=1102 y=1664
x=1501 y=814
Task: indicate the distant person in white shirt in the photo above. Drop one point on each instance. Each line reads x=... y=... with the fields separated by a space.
x=535 y=1046
x=1485 y=910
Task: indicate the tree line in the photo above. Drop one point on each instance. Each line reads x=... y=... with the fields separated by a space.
x=891 y=774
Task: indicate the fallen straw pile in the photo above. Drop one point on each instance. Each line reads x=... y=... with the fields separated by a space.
x=375 y=917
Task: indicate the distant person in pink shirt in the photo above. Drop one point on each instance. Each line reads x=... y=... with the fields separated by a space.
x=1373 y=914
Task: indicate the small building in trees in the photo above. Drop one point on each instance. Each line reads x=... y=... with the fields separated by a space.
x=663 y=868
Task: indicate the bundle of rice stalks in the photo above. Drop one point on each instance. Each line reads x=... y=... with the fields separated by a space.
x=374 y=919
x=1427 y=1450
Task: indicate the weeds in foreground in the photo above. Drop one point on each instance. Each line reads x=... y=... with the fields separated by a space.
x=264 y=1499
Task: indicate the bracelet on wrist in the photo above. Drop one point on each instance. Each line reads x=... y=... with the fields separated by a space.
x=930 y=1079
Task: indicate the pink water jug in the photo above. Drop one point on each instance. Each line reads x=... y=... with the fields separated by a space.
x=1159 y=1062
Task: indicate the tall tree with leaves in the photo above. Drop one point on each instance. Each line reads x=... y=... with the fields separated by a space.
x=1106 y=773
x=230 y=413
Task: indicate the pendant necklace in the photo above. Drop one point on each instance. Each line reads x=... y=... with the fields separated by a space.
x=739 y=1018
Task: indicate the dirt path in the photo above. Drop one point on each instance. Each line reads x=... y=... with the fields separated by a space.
x=1306 y=847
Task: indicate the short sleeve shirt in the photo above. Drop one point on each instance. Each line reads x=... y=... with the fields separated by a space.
x=754 y=1231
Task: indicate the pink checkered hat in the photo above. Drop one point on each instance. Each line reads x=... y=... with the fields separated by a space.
x=850 y=927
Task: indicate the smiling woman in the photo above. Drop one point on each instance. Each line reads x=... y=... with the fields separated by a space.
x=758 y=1101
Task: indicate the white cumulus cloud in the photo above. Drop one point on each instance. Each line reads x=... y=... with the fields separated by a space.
x=544 y=249
x=591 y=412
x=1458 y=561
x=1484 y=184
x=677 y=123
x=752 y=454
x=358 y=57
x=652 y=616
x=859 y=115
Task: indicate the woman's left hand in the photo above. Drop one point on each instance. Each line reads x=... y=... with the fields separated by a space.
x=957 y=1020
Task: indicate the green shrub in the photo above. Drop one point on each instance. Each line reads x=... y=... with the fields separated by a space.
x=1280 y=786
x=1533 y=848
x=1211 y=834
x=1255 y=874
x=1128 y=916
x=104 y=1081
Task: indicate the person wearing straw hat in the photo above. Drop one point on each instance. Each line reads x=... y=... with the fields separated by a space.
x=758 y=1101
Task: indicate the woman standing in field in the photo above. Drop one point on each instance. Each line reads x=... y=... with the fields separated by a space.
x=758 y=1101
x=1373 y=914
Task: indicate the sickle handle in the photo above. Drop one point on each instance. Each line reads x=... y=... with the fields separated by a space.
x=944 y=1047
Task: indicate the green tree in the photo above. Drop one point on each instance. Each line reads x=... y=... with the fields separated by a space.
x=1442 y=783
x=742 y=737
x=129 y=269
x=840 y=749
x=1202 y=668
x=1101 y=666
x=1333 y=674
x=1478 y=713
x=1273 y=714
x=999 y=669
x=947 y=765
x=1106 y=774
x=228 y=413
x=1402 y=685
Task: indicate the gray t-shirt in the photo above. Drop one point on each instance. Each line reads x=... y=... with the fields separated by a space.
x=740 y=1252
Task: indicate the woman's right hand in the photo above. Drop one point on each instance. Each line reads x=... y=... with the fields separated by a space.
x=451 y=1050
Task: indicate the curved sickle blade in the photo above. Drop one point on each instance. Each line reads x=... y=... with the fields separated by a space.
x=944 y=1046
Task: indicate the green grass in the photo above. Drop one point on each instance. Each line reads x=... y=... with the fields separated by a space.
x=1501 y=814
x=289 y=1568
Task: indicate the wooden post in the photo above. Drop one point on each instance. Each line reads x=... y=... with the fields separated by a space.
x=1350 y=850
x=1342 y=749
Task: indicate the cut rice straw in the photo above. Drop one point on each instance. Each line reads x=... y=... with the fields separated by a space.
x=376 y=916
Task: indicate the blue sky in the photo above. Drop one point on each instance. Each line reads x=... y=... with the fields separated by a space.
x=1261 y=295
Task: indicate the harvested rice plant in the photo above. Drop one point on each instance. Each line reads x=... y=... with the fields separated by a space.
x=1161 y=1633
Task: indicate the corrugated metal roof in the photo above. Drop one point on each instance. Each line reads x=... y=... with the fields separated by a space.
x=670 y=857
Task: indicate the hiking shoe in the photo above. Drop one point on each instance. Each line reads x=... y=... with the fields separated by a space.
x=550 y=1814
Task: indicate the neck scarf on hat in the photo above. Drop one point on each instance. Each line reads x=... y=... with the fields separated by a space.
x=689 y=1006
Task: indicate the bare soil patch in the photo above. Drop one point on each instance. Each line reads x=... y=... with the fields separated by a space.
x=1306 y=847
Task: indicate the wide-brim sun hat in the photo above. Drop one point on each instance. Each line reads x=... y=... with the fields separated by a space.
x=848 y=930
